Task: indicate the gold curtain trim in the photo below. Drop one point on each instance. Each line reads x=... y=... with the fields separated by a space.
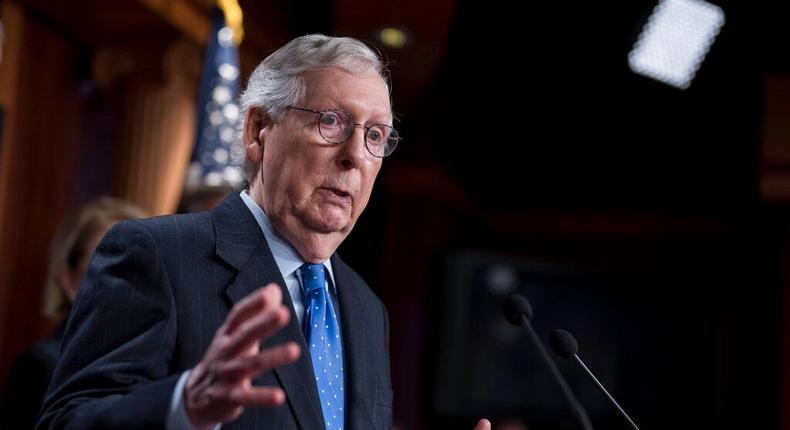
x=233 y=18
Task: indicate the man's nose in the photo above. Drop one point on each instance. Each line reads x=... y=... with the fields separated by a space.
x=354 y=149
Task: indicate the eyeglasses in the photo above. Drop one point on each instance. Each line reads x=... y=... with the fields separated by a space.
x=336 y=126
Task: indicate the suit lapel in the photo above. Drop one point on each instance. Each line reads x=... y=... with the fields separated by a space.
x=241 y=244
x=360 y=377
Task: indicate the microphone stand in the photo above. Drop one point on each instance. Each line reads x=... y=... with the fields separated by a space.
x=576 y=407
x=594 y=379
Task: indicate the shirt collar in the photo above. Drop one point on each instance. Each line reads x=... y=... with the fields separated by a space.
x=285 y=255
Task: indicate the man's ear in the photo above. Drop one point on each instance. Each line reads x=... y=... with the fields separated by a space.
x=255 y=121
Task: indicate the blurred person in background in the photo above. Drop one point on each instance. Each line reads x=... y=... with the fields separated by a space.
x=70 y=250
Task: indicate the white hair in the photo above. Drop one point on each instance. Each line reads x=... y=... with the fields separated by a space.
x=278 y=81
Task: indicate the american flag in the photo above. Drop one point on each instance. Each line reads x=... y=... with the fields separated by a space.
x=218 y=112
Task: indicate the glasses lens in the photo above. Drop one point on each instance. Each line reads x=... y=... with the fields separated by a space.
x=392 y=141
x=335 y=125
x=381 y=140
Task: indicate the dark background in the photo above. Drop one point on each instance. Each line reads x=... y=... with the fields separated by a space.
x=650 y=222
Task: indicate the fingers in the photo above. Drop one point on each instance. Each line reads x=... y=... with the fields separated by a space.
x=223 y=404
x=269 y=297
x=221 y=394
x=483 y=424
x=257 y=396
x=252 y=331
x=220 y=385
x=251 y=366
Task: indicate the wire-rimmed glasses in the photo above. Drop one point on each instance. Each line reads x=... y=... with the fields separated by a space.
x=336 y=126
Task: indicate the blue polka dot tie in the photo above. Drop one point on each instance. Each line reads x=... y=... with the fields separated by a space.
x=326 y=348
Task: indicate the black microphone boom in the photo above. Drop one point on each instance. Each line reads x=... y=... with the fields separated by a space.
x=518 y=311
x=565 y=345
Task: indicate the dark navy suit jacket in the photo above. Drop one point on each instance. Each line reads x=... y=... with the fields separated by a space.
x=156 y=292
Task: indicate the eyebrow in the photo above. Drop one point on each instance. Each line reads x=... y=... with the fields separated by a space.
x=336 y=104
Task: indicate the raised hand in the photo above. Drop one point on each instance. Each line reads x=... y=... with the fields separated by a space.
x=220 y=385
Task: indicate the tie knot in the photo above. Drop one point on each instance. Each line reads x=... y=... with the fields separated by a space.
x=313 y=277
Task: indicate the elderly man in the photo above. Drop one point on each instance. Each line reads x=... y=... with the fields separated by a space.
x=172 y=327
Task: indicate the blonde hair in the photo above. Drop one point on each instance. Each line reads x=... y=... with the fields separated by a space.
x=68 y=244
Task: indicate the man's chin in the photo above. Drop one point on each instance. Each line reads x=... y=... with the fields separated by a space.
x=329 y=223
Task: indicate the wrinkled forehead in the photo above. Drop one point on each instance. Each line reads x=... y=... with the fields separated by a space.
x=364 y=96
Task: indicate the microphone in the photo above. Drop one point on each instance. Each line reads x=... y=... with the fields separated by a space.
x=519 y=312
x=564 y=345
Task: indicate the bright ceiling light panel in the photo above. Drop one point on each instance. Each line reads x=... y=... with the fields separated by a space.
x=675 y=40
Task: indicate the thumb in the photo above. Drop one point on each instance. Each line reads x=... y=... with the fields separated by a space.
x=483 y=424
